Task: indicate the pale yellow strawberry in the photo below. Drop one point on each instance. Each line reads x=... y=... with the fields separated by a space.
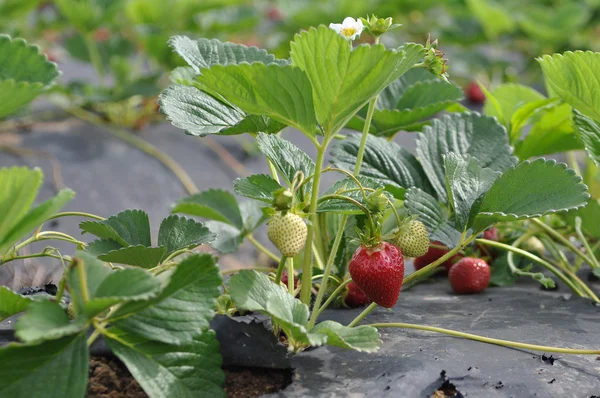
x=288 y=233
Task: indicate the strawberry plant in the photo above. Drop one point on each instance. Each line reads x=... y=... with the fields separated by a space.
x=151 y=300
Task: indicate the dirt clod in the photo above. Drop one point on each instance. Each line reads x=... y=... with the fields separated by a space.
x=549 y=360
x=109 y=378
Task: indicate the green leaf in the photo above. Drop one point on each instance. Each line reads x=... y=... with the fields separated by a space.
x=24 y=73
x=531 y=190
x=344 y=80
x=501 y=272
x=346 y=207
x=509 y=97
x=555 y=24
x=482 y=137
x=122 y=286
x=138 y=255
x=166 y=370
x=383 y=161
x=590 y=214
x=184 y=75
x=361 y=338
x=35 y=217
x=279 y=92
x=204 y=53
x=588 y=131
x=287 y=158
x=494 y=18
x=53 y=369
x=257 y=186
x=178 y=233
x=197 y=112
x=466 y=184
x=214 y=204
x=255 y=124
x=102 y=246
x=20 y=187
x=435 y=218
x=180 y=313
x=229 y=238
x=45 y=320
x=12 y=303
x=130 y=227
x=524 y=113
x=552 y=133
x=572 y=77
x=107 y=287
x=254 y=291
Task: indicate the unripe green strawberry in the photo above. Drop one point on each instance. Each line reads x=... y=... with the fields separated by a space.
x=288 y=233
x=412 y=239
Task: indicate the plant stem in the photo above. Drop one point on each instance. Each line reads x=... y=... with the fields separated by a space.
x=263 y=249
x=365 y=134
x=93 y=337
x=533 y=257
x=83 y=285
x=362 y=315
x=280 y=270
x=573 y=162
x=95 y=57
x=290 y=270
x=328 y=268
x=76 y=214
x=505 y=343
x=333 y=295
x=586 y=244
x=317 y=255
x=307 y=266
x=36 y=255
x=139 y=143
x=562 y=240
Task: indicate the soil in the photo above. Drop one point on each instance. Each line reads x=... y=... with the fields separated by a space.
x=109 y=378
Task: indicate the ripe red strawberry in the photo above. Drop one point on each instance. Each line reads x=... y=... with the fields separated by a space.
x=378 y=272
x=355 y=297
x=489 y=234
x=474 y=93
x=469 y=275
x=433 y=254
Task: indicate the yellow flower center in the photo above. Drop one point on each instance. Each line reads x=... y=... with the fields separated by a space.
x=348 y=32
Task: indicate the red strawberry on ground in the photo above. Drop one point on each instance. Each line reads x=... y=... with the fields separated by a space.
x=433 y=254
x=469 y=275
x=355 y=297
x=474 y=93
x=379 y=272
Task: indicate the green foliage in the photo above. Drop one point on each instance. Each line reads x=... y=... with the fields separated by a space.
x=415 y=96
x=506 y=99
x=24 y=73
x=530 y=190
x=257 y=186
x=87 y=15
x=588 y=131
x=464 y=134
x=45 y=320
x=53 y=369
x=384 y=161
x=348 y=188
x=17 y=216
x=253 y=291
x=343 y=79
x=125 y=238
x=572 y=77
x=12 y=303
x=229 y=220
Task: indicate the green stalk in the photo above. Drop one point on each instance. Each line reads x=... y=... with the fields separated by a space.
x=533 y=257
x=504 y=343
x=328 y=267
x=263 y=249
x=76 y=214
x=333 y=295
x=586 y=244
x=290 y=270
x=307 y=266
x=95 y=57
x=280 y=270
x=562 y=240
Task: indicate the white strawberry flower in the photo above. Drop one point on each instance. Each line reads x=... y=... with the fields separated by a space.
x=350 y=29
